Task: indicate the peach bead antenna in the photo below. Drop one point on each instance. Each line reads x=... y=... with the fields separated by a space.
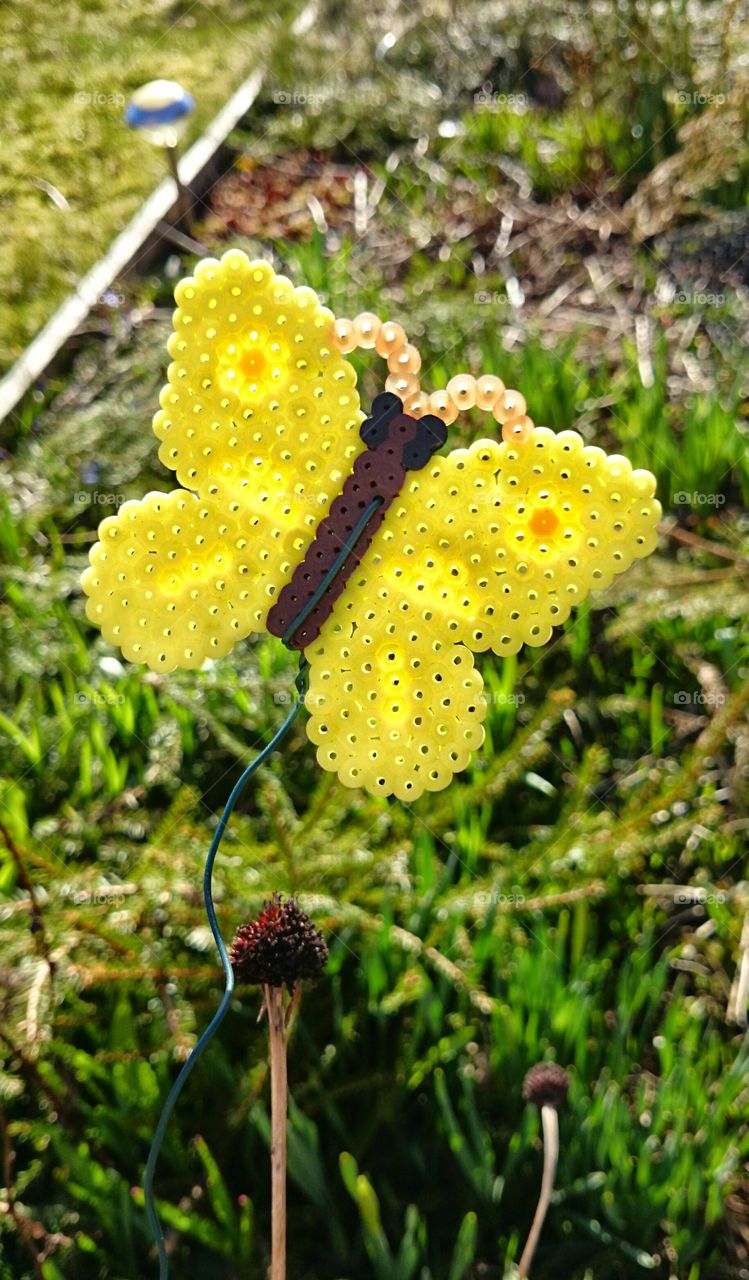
x=463 y=392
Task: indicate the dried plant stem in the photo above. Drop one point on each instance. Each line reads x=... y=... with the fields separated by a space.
x=550 y=1125
x=24 y=879
x=19 y=1221
x=274 y=1004
x=183 y=197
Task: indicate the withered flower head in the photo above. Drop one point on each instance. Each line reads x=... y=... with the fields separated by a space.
x=279 y=948
x=546 y=1084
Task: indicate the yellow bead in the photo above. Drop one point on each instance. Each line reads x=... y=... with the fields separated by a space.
x=488 y=390
x=392 y=337
x=366 y=328
x=462 y=389
x=442 y=404
x=404 y=359
x=344 y=337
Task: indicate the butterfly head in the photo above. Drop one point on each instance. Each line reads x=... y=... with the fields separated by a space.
x=416 y=438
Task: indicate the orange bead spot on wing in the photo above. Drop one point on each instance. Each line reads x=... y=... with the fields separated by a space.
x=543 y=522
x=251 y=363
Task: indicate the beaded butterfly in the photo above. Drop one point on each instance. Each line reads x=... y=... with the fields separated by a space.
x=484 y=548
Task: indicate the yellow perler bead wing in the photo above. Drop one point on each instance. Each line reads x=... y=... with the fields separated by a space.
x=485 y=548
x=499 y=541
x=489 y=548
x=395 y=707
x=260 y=418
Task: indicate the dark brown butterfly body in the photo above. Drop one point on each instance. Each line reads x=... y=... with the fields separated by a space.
x=395 y=444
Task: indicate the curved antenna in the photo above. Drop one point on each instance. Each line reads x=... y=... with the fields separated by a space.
x=220 y=1014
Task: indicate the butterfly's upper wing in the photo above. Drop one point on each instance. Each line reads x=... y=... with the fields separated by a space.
x=259 y=419
x=487 y=548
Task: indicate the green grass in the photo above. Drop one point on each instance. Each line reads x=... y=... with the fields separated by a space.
x=65 y=86
x=492 y=926
x=578 y=894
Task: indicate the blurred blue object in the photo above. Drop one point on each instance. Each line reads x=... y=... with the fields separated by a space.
x=160 y=110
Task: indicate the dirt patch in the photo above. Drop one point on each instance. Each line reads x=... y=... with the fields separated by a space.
x=285 y=198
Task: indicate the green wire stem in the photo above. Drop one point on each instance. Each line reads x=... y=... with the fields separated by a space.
x=335 y=568
x=220 y=1014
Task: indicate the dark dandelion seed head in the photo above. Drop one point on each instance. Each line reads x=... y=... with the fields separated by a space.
x=280 y=948
x=546 y=1084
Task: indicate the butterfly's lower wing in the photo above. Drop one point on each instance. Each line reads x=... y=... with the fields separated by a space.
x=176 y=579
x=394 y=707
x=260 y=418
x=487 y=548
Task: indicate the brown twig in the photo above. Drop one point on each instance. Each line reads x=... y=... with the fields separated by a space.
x=274 y=1003
x=99 y=973
x=171 y=1015
x=676 y=532
x=38 y=930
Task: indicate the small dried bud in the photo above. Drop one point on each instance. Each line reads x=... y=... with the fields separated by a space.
x=546 y=1083
x=279 y=948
